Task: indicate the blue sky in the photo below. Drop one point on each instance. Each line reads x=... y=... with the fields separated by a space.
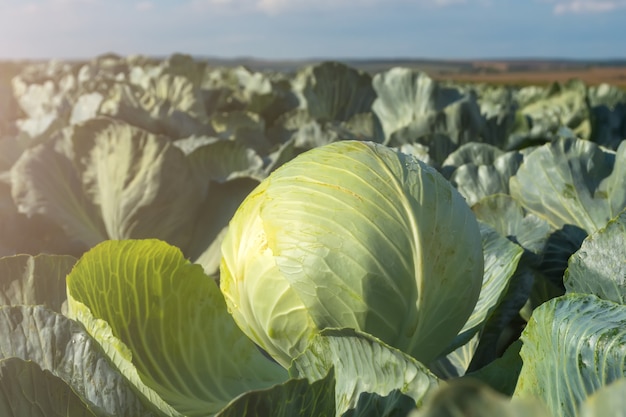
x=293 y=29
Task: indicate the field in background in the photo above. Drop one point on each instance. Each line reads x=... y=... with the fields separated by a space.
x=515 y=72
x=592 y=75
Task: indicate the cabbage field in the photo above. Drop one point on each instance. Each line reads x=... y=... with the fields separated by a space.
x=178 y=239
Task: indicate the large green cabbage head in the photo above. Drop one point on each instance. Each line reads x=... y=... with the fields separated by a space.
x=352 y=234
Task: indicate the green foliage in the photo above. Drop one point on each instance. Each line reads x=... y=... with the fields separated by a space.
x=573 y=345
x=27 y=390
x=157 y=316
x=348 y=263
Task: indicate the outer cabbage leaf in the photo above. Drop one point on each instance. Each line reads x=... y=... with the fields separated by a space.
x=103 y=70
x=414 y=108
x=140 y=75
x=420 y=152
x=87 y=107
x=67 y=94
x=434 y=131
x=36 y=234
x=244 y=127
x=63 y=347
x=142 y=185
x=363 y=364
x=45 y=103
x=499 y=109
x=183 y=65
x=308 y=133
x=59 y=94
x=170 y=106
x=8 y=214
x=609 y=400
x=229 y=171
x=598 y=267
x=302 y=397
x=476 y=180
x=558 y=248
x=573 y=345
x=455 y=363
x=504 y=325
x=315 y=134
x=224 y=160
x=502 y=373
x=222 y=91
x=608 y=107
x=405 y=96
x=544 y=112
x=334 y=91
x=212 y=224
x=268 y=94
x=296 y=397
x=9 y=111
x=509 y=218
x=45 y=182
x=164 y=323
x=546 y=251
x=35 y=280
x=27 y=390
x=573 y=182
x=10 y=151
x=395 y=404
x=467 y=398
x=501 y=257
x=284 y=153
x=607 y=95
x=227 y=124
x=471 y=153
x=176 y=91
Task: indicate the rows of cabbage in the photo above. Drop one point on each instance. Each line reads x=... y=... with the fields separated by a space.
x=95 y=153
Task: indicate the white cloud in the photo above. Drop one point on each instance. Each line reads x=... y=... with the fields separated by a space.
x=143 y=6
x=272 y=6
x=586 y=6
x=31 y=8
x=66 y=3
x=448 y=2
x=280 y=6
x=48 y=6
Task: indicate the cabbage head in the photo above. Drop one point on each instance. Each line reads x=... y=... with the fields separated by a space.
x=352 y=235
